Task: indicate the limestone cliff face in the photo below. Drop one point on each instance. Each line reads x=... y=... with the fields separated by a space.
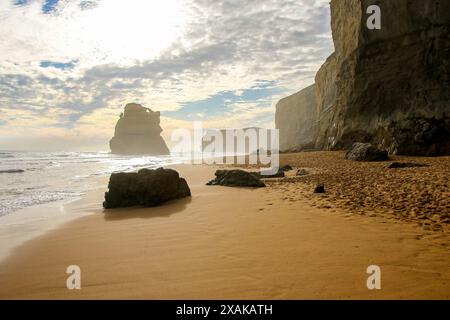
x=326 y=91
x=389 y=86
x=138 y=132
x=296 y=118
x=393 y=80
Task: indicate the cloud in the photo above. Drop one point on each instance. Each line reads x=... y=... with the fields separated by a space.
x=177 y=57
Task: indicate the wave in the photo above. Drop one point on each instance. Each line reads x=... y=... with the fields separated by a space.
x=12 y=171
x=6 y=155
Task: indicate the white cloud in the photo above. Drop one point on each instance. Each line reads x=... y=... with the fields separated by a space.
x=158 y=53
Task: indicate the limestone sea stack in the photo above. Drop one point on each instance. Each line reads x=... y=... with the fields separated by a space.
x=387 y=87
x=138 y=132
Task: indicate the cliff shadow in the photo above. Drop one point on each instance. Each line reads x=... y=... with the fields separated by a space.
x=165 y=210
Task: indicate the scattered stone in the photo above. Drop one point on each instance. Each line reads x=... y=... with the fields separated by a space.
x=400 y=165
x=366 y=152
x=421 y=136
x=236 y=178
x=302 y=172
x=320 y=188
x=146 y=188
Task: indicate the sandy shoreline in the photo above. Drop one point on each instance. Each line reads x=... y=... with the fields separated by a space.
x=228 y=243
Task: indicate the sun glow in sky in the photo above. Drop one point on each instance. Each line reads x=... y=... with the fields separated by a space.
x=67 y=67
x=94 y=32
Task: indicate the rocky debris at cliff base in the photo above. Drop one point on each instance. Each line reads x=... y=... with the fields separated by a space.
x=366 y=152
x=419 y=136
x=146 y=187
x=401 y=165
x=236 y=178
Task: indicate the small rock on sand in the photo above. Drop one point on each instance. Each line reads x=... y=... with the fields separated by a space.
x=320 y=188
x=400 y=165
x=236 y=178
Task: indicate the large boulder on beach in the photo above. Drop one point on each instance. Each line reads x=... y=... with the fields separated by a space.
x=366 y=152
x=236 y=178
x=138 y=132
x=145 y=188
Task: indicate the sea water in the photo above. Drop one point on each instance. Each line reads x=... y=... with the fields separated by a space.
x=36 y=186
x=32 y=178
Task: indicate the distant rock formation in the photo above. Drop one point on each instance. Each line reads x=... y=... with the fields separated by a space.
x=296 y=118
x=138 y=132
x=388 y=87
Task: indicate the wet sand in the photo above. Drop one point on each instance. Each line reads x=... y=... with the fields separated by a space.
x=229 y=243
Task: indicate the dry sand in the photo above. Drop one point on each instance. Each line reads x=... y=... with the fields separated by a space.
x=229 y=243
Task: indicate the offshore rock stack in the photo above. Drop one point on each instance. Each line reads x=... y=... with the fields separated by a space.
x=138 y=132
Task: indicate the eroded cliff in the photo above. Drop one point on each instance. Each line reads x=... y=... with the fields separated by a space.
x=389 y=86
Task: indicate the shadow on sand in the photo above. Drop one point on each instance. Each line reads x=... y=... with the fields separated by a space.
x=165 y=210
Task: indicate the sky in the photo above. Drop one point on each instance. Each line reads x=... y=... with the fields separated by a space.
x=68 y=67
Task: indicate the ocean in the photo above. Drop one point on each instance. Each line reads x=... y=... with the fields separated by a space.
x=34 y=178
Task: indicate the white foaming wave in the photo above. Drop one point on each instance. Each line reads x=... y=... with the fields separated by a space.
x=76 y=172
x=28 y=199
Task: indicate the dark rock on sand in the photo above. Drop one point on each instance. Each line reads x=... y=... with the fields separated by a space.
x=400 y=165
x=236 y=178
x=366 y=152
x=146 y=188
x=320 y=188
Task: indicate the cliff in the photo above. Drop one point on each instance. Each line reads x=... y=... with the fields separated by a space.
x=389 y=86
x=296 y=118
x=138 y=132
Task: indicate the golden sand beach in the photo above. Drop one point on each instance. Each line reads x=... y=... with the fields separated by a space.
x=278 y=242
